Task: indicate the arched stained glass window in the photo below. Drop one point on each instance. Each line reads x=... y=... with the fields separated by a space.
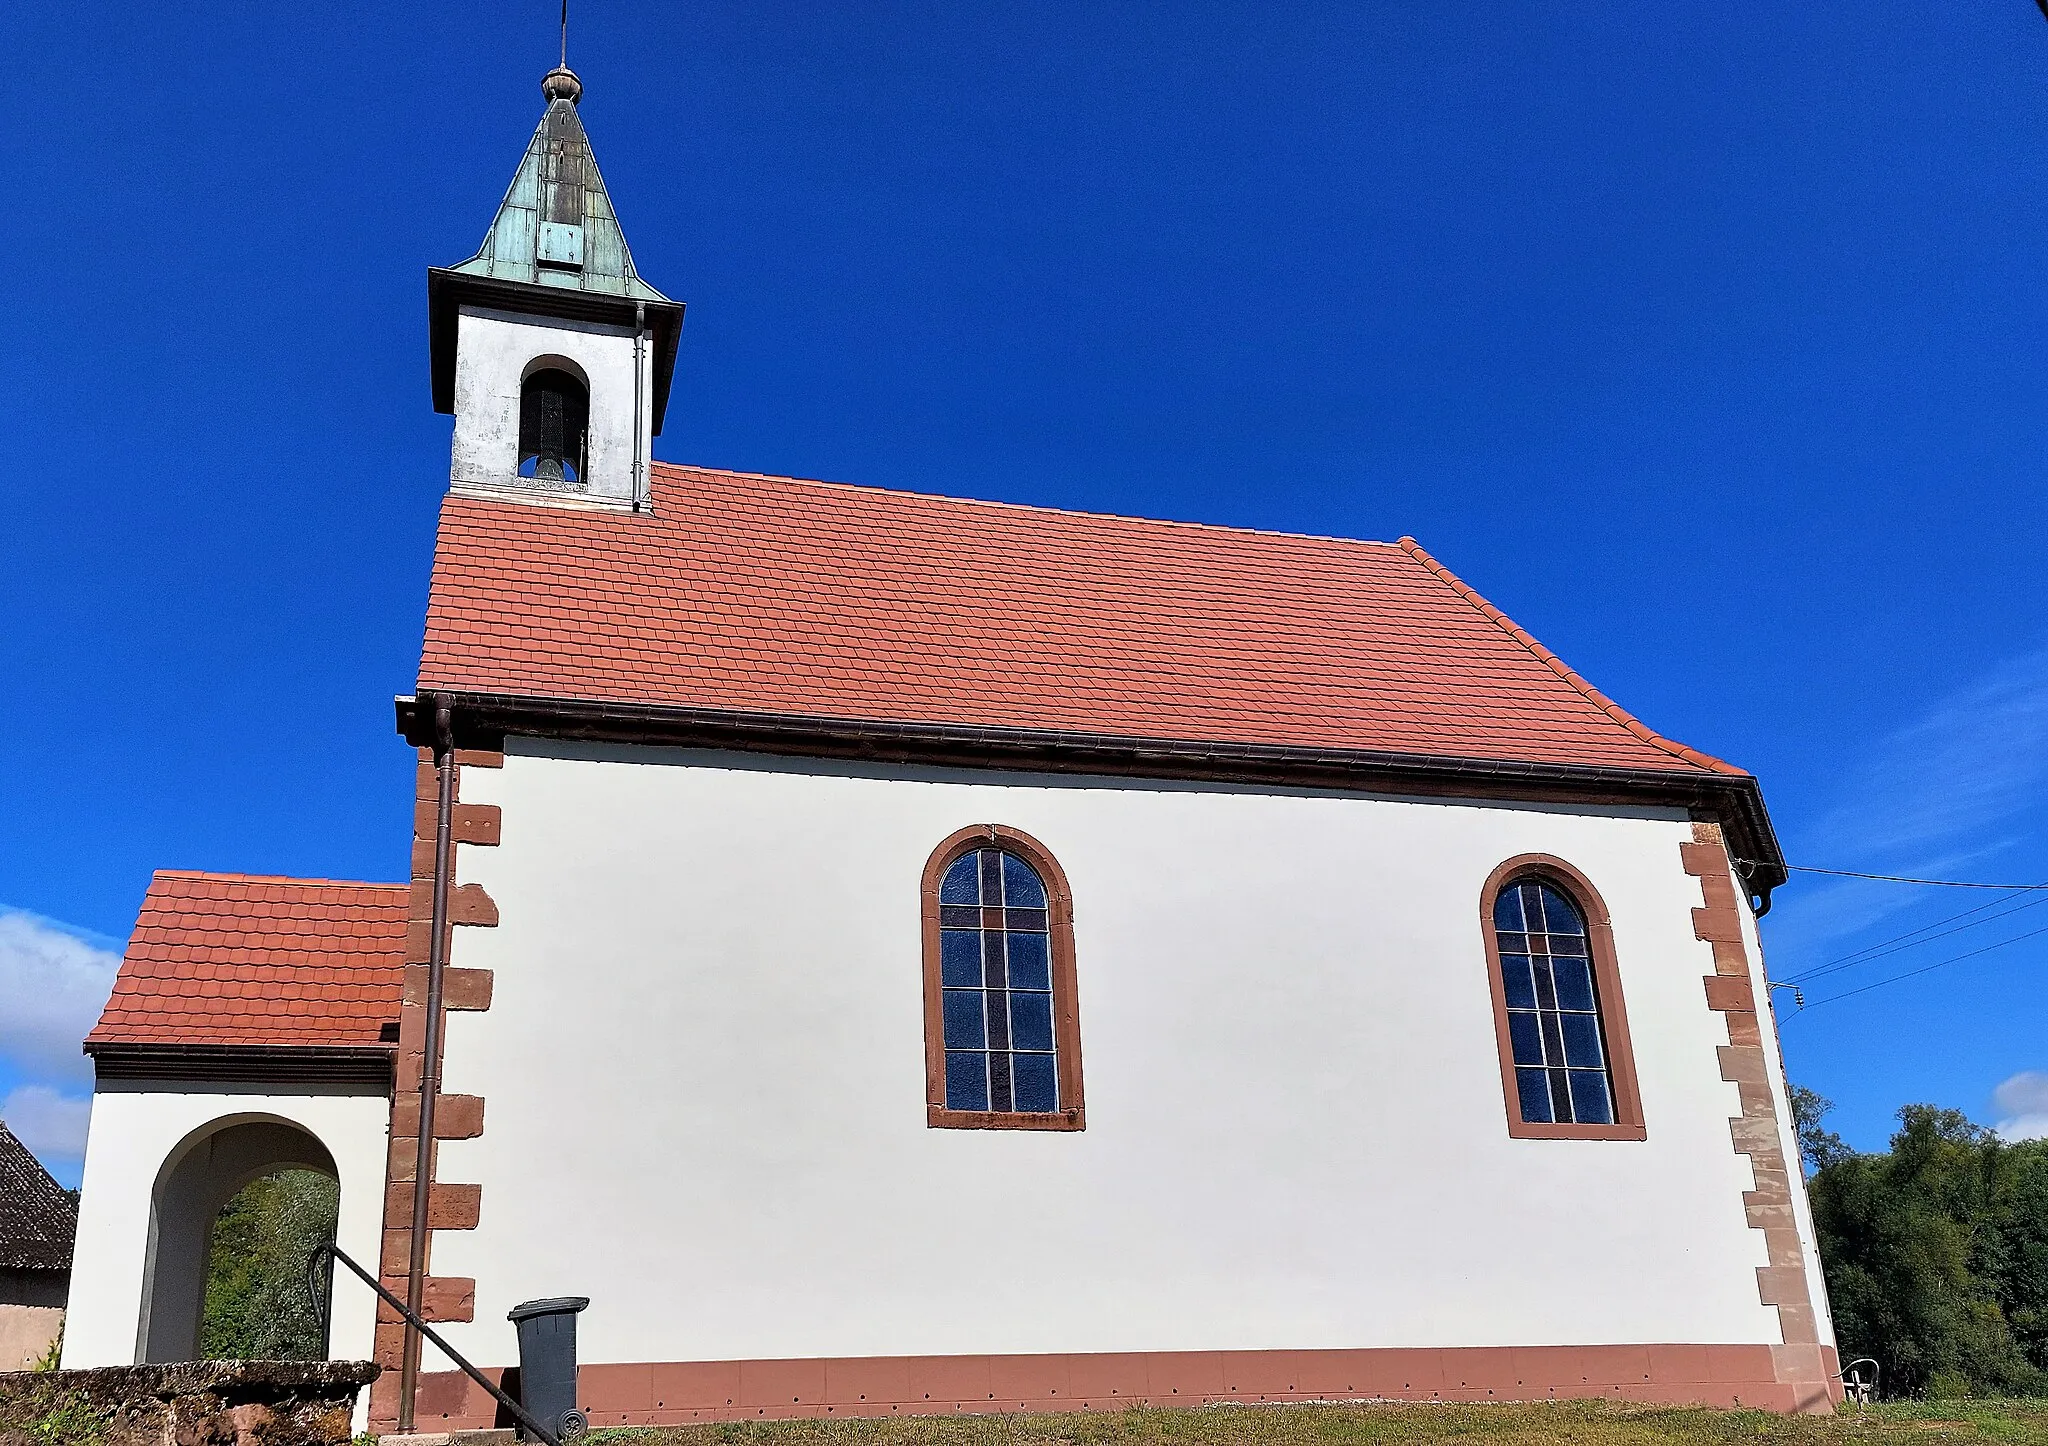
x=995 y=956
x=1001 y=1036
x=1562 y=1073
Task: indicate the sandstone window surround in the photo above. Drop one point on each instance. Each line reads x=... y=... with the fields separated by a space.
x=1002 y=1023
x=1567 y=1068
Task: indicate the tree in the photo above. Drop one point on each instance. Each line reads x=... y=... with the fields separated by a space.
x=1936 y=1251
x=1819 y=1148
x=257 y=1305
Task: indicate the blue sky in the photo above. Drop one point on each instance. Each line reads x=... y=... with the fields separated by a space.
x=1705 y=341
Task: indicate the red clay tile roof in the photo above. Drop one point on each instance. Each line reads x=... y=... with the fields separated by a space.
x=780 y=596
x=242 y=959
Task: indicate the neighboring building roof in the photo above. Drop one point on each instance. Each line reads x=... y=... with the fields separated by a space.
x=38 y=1217
x=777 y=596
x=239 y=959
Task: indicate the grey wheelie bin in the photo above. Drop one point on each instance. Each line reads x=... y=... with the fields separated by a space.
x=547 y=1362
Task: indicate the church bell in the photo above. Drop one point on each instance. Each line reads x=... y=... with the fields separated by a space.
x=554 y=416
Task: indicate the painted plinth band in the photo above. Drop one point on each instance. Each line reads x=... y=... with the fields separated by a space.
x=684 y=1392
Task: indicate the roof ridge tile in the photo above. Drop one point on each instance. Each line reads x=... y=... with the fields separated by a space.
x=1034 y=508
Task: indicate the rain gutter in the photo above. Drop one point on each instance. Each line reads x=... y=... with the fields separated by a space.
x=1733 y=800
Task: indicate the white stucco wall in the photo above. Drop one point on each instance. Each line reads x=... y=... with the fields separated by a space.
x=135 y=1133
x=494 y=351
x=704 y=1077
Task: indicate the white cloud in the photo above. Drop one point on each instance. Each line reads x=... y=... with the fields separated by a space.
x=50 y=1124
x=55 y=984
x=1951 y=786
x=1955 y=793
x=2022 y=1103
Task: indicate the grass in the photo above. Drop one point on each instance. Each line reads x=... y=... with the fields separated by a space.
x=1575 y=1423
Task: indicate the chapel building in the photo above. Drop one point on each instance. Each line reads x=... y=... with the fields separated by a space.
x=896 y=953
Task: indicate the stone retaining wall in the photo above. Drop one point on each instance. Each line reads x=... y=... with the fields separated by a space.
x=194 y=1403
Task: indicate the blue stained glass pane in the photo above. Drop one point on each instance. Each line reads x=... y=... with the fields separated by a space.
x=1526 y=1037
x=1507 y=911
x=1034 y=1080
x=1560 y=1097
x=1000 y=1094
x=1574 y=983
x=1590 y=1104
x=963 y=1019
x=966 y=1080
x=1022 y=888
x=1582 y=1041
x=1558 y=914
x=998 y=1016
x=960 y=958
x=1031 y=1021
x=1030 y=962
x=1530 y=1085
x=959 y=886
x=1514 y=978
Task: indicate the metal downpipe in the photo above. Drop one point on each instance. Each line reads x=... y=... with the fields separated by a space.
x=430 y=1061
x=643 y=494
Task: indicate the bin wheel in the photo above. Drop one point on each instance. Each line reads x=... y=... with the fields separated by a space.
x=574 y=1424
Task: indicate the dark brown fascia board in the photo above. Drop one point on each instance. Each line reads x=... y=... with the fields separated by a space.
x=447 y=291
x=244 y=1063
x=1735 y=801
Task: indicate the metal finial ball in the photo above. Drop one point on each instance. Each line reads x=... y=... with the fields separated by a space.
x=561 y=84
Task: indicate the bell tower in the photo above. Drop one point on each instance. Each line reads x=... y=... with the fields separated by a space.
x=553 y=354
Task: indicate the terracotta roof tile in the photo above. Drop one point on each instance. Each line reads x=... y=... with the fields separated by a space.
x=245 y=959
x=775 y=595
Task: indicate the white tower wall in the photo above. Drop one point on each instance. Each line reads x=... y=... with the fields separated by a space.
x=497 y=350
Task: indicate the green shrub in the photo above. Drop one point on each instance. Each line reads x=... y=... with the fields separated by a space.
x=71 y=1422
x=1936 y=1252
x=257 y=1305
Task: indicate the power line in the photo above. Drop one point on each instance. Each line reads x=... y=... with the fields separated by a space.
x=1911 y=940
x=1928 y=968
x=1746 y=864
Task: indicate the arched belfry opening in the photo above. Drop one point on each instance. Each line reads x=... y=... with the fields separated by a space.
x=554 y=428
x=258 y=1165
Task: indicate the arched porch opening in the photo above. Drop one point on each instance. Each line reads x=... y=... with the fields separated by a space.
x=211 y=1168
